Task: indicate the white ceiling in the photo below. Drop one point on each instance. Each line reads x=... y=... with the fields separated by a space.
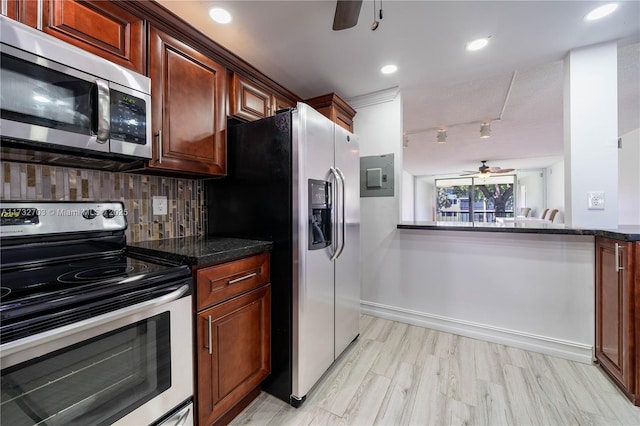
x=516 y=81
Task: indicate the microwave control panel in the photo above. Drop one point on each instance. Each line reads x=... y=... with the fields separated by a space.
x=128 y=118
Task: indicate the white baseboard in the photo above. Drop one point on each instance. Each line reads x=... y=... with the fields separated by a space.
x=547 y=345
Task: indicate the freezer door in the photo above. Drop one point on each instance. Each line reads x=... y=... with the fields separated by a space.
x=313 y=292
x=347 y=265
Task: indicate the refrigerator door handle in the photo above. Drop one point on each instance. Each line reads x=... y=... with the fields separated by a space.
x=334 y=229
x=343 y=203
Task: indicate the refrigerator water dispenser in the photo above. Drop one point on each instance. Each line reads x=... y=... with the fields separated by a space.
x=319 y=214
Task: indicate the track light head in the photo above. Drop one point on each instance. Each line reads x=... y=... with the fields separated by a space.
x=441 y=136
x=485 y=130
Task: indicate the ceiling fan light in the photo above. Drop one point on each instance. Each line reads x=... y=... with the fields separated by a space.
x=442 y=136
x=485 y=130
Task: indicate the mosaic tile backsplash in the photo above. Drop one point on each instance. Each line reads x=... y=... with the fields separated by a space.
x=185 y=198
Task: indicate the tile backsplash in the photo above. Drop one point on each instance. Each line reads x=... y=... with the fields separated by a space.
x=185 y=197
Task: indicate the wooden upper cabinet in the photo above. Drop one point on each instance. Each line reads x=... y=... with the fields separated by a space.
x=248 y=100
x=25 y=11
x=188 y=95
x=251 y=101
x=280 y=102
x=335 y=109
x=99 y=27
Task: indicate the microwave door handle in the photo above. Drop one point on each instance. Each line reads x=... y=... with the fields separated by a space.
x=104 y=111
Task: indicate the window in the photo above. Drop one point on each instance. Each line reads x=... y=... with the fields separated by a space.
x=475 y=199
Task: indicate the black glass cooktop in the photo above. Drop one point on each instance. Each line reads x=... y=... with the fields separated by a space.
x=51 y=288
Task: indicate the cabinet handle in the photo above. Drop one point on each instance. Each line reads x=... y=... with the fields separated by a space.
x=246 y=277
x=619 y=267
x=159 y=135
x=209 y=335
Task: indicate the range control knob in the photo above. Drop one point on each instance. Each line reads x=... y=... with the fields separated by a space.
x=89 y=214
x=109 y=214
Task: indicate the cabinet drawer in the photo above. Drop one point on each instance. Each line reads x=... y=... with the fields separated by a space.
x=222 y=282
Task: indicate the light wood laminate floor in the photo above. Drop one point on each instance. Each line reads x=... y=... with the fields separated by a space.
x=399 y=374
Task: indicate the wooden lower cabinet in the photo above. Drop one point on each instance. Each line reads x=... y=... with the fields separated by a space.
x=233 y=346
x=618 y=313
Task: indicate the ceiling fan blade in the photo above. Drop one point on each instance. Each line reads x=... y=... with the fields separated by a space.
x=347 y=13
x=502 y=170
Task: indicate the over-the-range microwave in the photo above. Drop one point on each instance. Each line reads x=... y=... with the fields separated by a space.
x=62 y=105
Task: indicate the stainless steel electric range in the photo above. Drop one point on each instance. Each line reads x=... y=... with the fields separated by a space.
x=89 y=334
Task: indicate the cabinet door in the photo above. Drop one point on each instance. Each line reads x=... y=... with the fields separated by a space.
x=233 y=350
x=343 y=120
x=99 y=27
x=248 y=100
x=614 y=321
x=188 y=95
x=280 y=102
x=24 y=11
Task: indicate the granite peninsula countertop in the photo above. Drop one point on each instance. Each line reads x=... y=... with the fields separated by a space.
x=623 y=233
x=197 y=251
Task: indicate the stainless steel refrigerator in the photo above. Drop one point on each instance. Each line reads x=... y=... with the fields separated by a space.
x=294 y=179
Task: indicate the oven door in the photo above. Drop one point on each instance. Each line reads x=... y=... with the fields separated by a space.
x=128 y=367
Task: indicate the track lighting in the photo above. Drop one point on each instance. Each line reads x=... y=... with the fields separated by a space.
x=442 y=136
x=485 y=130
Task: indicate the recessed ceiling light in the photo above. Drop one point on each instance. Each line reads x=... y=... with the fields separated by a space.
x=388 y=69
x=220 y=15
x=601 y=11
x=478 y=44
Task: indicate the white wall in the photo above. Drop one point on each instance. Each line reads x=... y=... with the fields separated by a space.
x=378 y=123
x=534 y=183
x=556 y=190
x=408 y=197
x=425 y=196
x=530 y=291
x=629 y=179
x=591 y=134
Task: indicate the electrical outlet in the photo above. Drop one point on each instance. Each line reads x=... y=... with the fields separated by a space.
x=596 y=200
x=159 y=205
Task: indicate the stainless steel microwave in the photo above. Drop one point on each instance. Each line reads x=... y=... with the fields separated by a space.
x=62 y=105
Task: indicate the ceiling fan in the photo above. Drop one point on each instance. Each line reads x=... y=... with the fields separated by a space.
x=486 y=170
x=346 y=16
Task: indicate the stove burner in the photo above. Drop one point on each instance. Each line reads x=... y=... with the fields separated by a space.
x=102 y=272
x=4 y=291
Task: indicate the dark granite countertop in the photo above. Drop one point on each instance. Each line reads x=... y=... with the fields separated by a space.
x=198 y=251
x=624 y=233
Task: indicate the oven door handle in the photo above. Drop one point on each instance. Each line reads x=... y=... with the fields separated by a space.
x=67 y=330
